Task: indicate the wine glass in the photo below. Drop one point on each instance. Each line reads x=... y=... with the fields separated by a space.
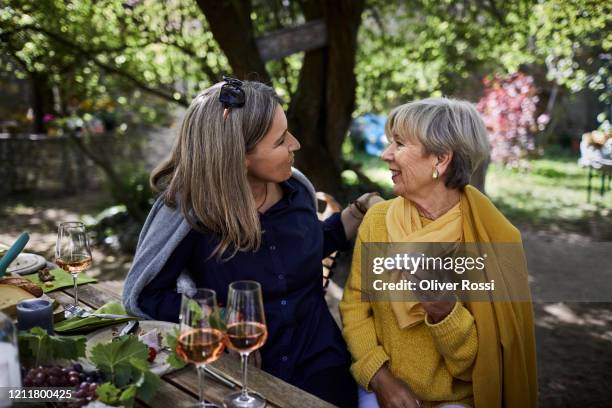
x=73 y=255
x=245 y=332
x=201 y=336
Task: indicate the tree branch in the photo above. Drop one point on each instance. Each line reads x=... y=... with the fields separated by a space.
x=230 y=23
x=164 y=94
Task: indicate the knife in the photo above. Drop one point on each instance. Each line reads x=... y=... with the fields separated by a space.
x=226 y=380
x=220 y=377
x=129 y=328
x=110 y=316
x=12 y=252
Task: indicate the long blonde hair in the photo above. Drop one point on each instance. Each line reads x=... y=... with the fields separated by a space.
x=205 y=174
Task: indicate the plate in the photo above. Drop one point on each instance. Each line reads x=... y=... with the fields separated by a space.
x=105 y=335
x=26 y=263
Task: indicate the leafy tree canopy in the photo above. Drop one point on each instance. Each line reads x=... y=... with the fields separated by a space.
x=115 y=50
x=411 y=49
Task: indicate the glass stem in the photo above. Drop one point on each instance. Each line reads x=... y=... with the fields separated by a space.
x=76 y=295
x=200 y=370
x=245 y=358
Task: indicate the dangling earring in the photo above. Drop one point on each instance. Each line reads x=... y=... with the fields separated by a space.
x=435 y=174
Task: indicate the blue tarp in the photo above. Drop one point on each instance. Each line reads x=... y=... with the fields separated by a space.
x=368 y=131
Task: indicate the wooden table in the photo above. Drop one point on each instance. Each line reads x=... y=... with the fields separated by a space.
x=181 y=387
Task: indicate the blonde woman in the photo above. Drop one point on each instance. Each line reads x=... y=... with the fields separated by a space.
x=231 y=208
x=440 y=352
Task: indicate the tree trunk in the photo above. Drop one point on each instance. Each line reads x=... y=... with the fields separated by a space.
x=41 y=100
x=230 y=23
x=320 y=111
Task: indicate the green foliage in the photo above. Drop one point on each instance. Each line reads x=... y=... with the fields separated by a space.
x=551 y=195
x=217 y=319
x=407 y=49
x=108 y=52
x=572 y=38
x=145 y=383
x=124 y=362
x=126 y=397
x=173 y=359
x=104 y=56
x=108 y=393
x=38 y=346
x=114 y=358
x=135 y=187
x=426 y=48
x=157 y=42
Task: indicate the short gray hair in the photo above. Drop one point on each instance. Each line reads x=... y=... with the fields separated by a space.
x=443 y=125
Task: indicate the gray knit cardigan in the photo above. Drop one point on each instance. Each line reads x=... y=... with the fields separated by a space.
x=163 y=230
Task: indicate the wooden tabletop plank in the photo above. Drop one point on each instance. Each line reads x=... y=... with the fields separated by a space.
x=168 y=396
x=277 y=392
x=187 y=380
x=182 y=385
x=94 y=295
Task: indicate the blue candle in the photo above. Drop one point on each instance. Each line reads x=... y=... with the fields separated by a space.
x=35 y=313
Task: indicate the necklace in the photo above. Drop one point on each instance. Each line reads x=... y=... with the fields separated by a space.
x=431 y=216
x=265 y=198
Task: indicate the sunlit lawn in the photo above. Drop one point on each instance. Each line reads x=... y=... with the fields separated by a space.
x=551 y=194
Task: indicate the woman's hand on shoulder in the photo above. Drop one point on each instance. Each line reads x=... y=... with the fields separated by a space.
x=391 y=392
x=353 y=214
x=367 y=200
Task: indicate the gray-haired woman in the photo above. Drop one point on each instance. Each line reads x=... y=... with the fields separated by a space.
x=232 y=208
x=433 y=351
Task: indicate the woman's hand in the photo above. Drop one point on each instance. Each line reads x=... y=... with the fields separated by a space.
x=353 y=214
x=391 y=392
x=367 y=200
x=437 y=303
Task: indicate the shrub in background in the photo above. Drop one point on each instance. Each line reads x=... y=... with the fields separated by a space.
x=508 y=107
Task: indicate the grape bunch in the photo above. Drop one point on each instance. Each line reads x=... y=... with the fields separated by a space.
x=85 y=394
x=84 y=383
x=55 y=376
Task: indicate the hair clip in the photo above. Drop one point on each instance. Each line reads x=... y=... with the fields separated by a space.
x=231 y=95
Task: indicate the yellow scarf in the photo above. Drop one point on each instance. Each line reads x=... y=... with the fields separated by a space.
x=504 y=372
x=404 y=225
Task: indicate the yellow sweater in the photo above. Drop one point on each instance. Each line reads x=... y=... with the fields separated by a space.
x=435 y=360
x=438 y=361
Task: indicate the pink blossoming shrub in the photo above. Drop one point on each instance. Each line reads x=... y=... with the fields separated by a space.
x=508 y=108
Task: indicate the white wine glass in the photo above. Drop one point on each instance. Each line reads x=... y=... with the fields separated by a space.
x=72 y=254
x=246 y=331
x=201 y=336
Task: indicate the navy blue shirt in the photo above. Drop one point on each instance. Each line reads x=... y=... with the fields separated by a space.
x=303 y=338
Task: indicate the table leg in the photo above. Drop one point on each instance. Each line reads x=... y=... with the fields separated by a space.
x=589 y=185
